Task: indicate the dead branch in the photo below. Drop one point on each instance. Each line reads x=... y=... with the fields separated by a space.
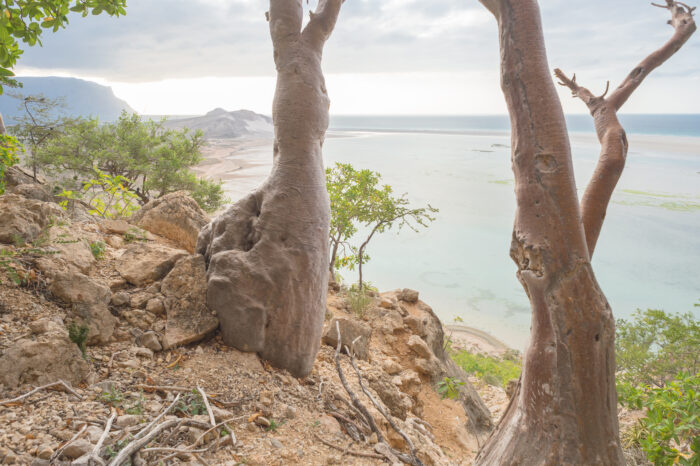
x=61 y=383
x=95 y=454
x=207 y=405
x=413 y=459
x=146 y=437
x=143 y=431
x=162 y=388
x=349 y=452
x=58 y=452
x=342 y=418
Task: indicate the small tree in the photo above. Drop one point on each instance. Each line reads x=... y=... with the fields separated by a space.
x=38 y=123
x=358 y=198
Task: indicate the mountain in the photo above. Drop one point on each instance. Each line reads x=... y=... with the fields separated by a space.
x=82 y=98
x=221 y=124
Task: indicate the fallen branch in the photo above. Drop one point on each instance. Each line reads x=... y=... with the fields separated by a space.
x=162 y=388
x=349 y=452
x=58 y=452
x=136 y=444
x=67 y=387
x=207 y=405
x=143 y=431
x=413 y=459
x=95 y=455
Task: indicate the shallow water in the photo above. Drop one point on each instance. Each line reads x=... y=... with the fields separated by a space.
x=648 y=255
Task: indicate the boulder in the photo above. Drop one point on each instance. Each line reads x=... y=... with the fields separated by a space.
x=144 y=263
x=49 y=357
x=15 y=176
x=150 y=340
x=419 y=346
x=349 y=330
x=89 y=304
x=408 y=295
x=73 y=252
x=175 y=216
x=185 y=290
x=32 y=191
x=25 y=218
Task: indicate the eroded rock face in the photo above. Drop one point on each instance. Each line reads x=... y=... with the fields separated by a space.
x=349 y=331
x=49 y=357
x=32 y=191
x=175 y=216
x=188 y=317
x=88 y=304
x=25 y=218
x=143 y=263
x=73 y=252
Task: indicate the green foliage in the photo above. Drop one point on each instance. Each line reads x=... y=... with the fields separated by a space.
x=191 y=404
x=491 y=370
x=25 y=20
x=449 y=388
x=134 y=234
x=147 y=160
x=109 y=197
x=8 y=264
x=9 y=150
x=659 y=372
x=359 y=299
x=98 y=249
x=111 y=451
x=655 y=347
x=358 y=199
x=114 y=397
x=78 y=334
x=274 y=425
x=670 y=431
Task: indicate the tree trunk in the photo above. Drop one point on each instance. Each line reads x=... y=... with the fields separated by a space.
x=2 y=126
x=564 y=410
x=267 y=255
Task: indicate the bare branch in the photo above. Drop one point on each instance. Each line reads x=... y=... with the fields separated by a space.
x=61 y=383
x=349 y=452
x=683 y=25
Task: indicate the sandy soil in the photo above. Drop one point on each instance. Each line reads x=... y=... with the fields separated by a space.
x=475 y=341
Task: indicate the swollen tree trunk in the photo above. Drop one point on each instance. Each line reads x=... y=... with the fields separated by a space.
x=612 y=137
x=267 y=255
x=564 y=410
x=2 y=126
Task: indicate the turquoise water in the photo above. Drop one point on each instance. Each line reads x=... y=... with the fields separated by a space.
x=648 y=255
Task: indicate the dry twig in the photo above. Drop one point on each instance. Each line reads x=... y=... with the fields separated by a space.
x=349 y=452
x=61 y=383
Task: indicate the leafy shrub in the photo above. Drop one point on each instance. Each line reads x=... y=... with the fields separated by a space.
x=191 y=404
x=98 y=249
x=491 y=370
x=359 y=299
x=109 y=196
x=670 y=431
x=449 y=388
x=9 y=148
x=78 y=334
x=655 y=346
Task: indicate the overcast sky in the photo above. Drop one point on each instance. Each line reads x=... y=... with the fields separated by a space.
x=385 y=56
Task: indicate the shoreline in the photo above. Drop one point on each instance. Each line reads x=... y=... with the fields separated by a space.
x=474 y=340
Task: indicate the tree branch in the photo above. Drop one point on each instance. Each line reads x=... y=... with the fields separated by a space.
x=285 y=17
x=322 y=21
x=683 y=25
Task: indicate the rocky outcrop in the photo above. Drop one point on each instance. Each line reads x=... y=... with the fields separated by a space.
x=88 y=302
x=143 y=263
x=24 y=219
x=47 y=358
x=350 y=331
x=185 y=290
x=73 y=252
x=175 y=216
x=32 y=191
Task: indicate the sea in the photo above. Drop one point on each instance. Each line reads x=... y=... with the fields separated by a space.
x=648 y=254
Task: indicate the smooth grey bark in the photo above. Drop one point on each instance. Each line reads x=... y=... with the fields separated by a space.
x=267 y=255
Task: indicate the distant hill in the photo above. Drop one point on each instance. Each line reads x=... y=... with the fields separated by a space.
x=82 y=98
x=221 y=124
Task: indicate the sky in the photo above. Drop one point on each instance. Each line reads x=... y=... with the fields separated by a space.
x=390 y=57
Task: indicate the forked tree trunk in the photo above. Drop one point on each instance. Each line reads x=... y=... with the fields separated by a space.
x=564 y=410
x=611 y=134
x=267 y=255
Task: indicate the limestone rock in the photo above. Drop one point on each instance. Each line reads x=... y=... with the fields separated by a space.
x=77 y=448
x=15 y=176
x=32 y=191
x=175 y=216
x=419 y=346
x=25 y=218
x=349 y=330
x=390 y=396
x=73 y=252
x=89 y=304
x=188 y=317
x=50 y=357
x=408 y=295
x=120 y=299
x=116 y=227
x=150 y=340
x=155 y=306
x=143 y=263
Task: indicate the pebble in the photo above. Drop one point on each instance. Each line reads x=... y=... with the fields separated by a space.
x=262 y=421
x=45 y=452
x=276 y=443
x=127 y=420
